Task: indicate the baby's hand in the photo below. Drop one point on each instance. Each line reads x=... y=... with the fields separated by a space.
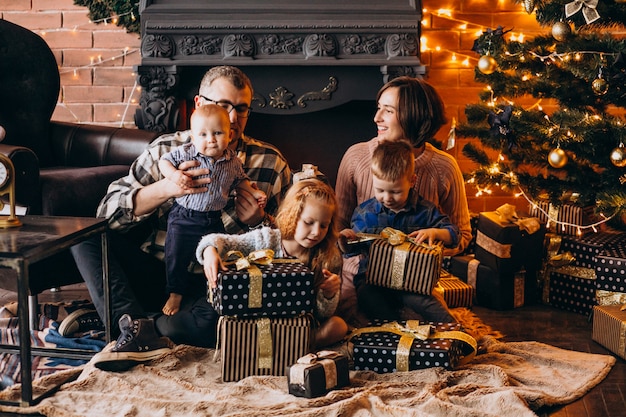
x=261 y=198
x=331 y=284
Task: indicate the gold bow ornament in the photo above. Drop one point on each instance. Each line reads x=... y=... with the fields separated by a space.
x=413 y=330
x=589 y=9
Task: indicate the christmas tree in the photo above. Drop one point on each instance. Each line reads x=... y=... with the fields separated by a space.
x=567 y=144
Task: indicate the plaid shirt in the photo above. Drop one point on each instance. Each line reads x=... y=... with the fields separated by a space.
x=263 y=163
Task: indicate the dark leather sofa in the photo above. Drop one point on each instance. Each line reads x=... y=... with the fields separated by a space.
x=62 y=169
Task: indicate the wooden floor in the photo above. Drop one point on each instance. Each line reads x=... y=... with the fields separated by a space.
x=530 y=323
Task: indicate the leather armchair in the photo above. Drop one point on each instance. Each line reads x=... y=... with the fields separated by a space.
x=62 y=169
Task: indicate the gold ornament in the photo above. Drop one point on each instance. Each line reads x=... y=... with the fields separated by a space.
x=487 y=64
x=561 y=31
x=618 y=156
x=529 y=6
x=557 y=158
x=600 y=86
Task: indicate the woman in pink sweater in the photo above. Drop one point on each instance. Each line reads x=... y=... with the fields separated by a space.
x=407 y=108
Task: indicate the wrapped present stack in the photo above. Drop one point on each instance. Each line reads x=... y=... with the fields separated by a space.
x=266 y=307
x=385 y=347
x=507 y=259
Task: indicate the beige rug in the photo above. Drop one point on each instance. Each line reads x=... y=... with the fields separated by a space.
x=506 y=379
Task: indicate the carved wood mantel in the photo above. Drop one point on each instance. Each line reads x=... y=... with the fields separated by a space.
x=301 y=55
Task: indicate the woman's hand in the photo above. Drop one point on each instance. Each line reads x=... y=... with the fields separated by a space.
x=212 y=265
x=331 y=284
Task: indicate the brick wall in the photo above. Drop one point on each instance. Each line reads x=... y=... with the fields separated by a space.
x=98 y=84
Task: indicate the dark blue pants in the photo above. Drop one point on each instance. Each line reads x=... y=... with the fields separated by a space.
x=185 y=228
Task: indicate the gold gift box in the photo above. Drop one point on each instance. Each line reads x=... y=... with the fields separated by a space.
x=609 y=328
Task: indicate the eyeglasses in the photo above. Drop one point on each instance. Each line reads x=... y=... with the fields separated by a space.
x=242 y=110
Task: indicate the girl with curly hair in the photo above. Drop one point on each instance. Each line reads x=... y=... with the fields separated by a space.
x=306 y=229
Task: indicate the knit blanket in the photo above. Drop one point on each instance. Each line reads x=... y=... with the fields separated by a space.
x=504 y=379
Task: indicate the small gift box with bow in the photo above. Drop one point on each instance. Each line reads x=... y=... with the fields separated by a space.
x=262 y=286
x=397 y=262
x=609 y=328
x=261 y=346
x=455 y=292
x=406 y=346
x=506 y=243
x=316 y=374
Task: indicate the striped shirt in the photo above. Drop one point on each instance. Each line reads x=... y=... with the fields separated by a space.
x=226 y=173
x=263 y=163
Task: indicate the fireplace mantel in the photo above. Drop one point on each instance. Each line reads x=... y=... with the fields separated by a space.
x=302 y=56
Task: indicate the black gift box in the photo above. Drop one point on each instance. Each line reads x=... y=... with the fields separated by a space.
x=588 y=247
x=610 y=269
x=495 y=290
x=380 y=350
x=571 y=288
x=262 y=346
x=283 y=289
x=505 y=248
x=318 y=373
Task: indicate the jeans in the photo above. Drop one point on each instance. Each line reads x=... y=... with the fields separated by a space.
x=387 y=304
x=137 y=285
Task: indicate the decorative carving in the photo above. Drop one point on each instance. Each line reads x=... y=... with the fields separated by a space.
x=391 y=72
x=157 y=110
x=281 y=98
x=404 y=44
x=320 y=45
x=276 y=44
x=325 y=94
x=260 y=101
x=238 y=45
x=356 y=44
x=193 y=45
x=157 y=46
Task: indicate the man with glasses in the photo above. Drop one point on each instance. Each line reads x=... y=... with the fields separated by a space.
x=137 y=206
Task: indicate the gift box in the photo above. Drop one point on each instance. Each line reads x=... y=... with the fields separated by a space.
x=279 y=289
x=586 y=248
x=563 y=219
x=406 y=346
x=609 y=328
x=455 y=292
x=571 y=288
x=262 y=346
x=506 y=247
x=407 y=266
x=492 y=289
x=316 y=374
x=610 y=269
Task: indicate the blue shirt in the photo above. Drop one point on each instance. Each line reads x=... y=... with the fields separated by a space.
x=371 y=216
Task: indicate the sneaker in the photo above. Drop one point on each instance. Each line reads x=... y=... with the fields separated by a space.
x=138 y=342
x=80 y=321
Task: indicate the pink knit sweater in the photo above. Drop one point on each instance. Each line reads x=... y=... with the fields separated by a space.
x=439 y=180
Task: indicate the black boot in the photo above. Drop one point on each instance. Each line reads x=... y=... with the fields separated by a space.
x=138 y=342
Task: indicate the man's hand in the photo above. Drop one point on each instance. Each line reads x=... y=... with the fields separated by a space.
x=192 y=184
x=247 y=207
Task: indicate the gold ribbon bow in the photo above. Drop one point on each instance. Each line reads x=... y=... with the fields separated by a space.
x=414 y=330
x=255 y=286
x=589 y=9
x=326 y=358
x=507 y=214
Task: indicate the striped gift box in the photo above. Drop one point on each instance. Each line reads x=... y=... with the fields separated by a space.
x=456 y=293
x=568 y=213
x=409 y=267
x=262 y=346
x=609 y=328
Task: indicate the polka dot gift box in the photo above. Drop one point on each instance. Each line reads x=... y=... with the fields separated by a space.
x=406 y=346
x=275 y=290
